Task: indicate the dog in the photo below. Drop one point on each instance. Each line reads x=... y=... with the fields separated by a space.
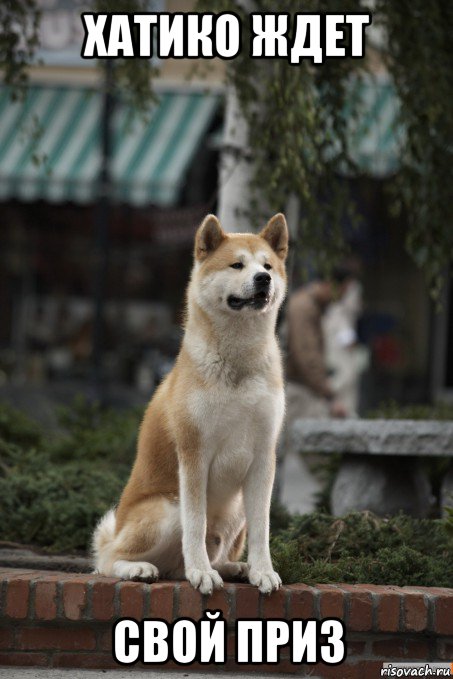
x=205 y=463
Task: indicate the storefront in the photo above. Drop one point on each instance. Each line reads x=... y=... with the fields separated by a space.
x=162 y=179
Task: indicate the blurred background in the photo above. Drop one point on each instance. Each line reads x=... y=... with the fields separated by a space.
x=98 y=209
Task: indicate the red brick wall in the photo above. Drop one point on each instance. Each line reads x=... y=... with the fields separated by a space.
x=54 y=619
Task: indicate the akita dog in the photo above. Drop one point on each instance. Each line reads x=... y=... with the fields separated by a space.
x=206 y=451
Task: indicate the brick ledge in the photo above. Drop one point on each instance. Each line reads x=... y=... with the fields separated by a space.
x=55 y=619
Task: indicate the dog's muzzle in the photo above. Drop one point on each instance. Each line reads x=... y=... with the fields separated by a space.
x=260 y=298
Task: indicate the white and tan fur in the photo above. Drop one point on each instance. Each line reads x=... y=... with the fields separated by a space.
x=206 y=451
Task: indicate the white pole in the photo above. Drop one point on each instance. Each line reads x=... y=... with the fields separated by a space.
x=236 y=168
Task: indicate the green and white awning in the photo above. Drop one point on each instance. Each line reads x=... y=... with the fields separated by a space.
x=375 y=136
x=50 y=145
x=50 y=142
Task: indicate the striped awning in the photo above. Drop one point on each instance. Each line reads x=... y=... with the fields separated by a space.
x=50 y=145
x=375 y=137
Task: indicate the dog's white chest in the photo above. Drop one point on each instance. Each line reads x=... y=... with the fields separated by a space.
x=227 y=413
x=235 y=424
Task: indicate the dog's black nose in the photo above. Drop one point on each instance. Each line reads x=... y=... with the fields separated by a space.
x=262 y=279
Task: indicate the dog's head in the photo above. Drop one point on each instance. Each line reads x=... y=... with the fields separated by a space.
x=239 y=273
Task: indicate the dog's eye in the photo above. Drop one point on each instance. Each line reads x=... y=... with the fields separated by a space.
x=237 y=265
x=268 y=267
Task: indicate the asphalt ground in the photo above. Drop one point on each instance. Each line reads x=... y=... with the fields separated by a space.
x=72 y=673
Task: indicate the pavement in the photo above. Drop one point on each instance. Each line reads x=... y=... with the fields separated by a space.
x=73 y=673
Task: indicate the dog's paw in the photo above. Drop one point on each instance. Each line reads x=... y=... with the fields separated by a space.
x=266 y=581
x=204 y=580
x=135 y=570
x=234 y=569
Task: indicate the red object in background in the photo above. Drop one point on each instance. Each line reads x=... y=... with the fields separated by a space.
x=388 y=351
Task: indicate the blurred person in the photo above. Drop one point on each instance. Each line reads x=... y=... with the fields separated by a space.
x=346 y=359
x=309 y=391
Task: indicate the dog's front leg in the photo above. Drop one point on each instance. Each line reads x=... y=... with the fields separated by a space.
x=193 y=486
x=257 y=500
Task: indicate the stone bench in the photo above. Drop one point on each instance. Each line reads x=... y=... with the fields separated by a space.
x=380 y=469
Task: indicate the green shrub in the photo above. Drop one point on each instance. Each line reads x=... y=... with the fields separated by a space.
x=54 y=506
x=361 y=547
x=53 y=490
x=392 y=410
x=92 y=433
x=16 y=427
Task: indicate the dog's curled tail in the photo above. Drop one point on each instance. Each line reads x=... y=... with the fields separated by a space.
x=103 y=537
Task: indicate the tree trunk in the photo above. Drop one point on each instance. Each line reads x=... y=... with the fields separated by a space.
x=236 y=168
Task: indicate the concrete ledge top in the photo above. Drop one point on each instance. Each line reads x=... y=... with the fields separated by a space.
x=374 y=437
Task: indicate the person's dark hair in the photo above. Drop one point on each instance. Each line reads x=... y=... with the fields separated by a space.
x=340 y=274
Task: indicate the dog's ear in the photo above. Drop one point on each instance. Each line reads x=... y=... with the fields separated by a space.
x=276 y=234
x=208 y=238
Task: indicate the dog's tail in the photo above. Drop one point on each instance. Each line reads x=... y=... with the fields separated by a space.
x=102 y=542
